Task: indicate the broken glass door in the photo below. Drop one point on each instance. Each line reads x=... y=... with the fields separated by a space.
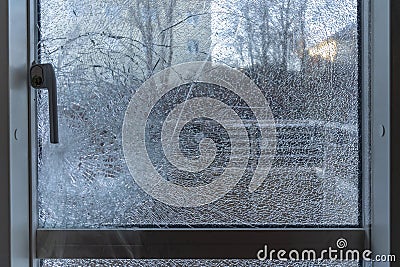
x=200 y=114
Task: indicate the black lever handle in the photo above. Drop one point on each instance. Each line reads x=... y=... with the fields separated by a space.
x=43 y=77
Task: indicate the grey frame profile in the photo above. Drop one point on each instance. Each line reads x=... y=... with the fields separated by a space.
x=17 y=244
x=210 y=243
x=380 y=127
x=14 y=135
x=188 y=243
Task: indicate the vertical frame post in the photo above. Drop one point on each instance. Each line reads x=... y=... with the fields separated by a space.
x=14 y=141
x=380 y=129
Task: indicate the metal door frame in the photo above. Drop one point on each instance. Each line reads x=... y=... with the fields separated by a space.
x=380 y=63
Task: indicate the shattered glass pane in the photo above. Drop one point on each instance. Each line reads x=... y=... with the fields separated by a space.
x=301 y=54
x=195 y=263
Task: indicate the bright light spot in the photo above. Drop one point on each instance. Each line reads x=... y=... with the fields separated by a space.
x=326 y=50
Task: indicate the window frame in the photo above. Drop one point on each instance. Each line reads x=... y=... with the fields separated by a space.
x=380 y=128
x=149 y=243
x=14 y=135
x=17 y=188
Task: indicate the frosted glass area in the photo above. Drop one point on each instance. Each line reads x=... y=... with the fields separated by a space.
x=194 y=263
x=301 y=54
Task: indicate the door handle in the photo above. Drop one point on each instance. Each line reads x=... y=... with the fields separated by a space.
x=42 y=76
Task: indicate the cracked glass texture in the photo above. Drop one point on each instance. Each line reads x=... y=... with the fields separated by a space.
x=303 y=55
x=195 y=263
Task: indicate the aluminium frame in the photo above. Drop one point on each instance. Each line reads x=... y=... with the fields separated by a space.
x=178 y=243
x=17 y=178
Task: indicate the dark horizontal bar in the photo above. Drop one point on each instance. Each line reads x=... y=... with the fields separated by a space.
x=187 y=244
